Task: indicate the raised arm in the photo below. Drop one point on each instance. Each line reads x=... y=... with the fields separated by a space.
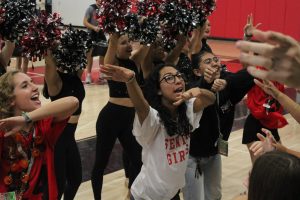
x=289 y=105
x=6 y=53
x=59 y=110
x=139 y=55
x=52 y=78
x=127 y=76
x=173 y=56
x=196 y=39
x=110 y=56
x=147 y=64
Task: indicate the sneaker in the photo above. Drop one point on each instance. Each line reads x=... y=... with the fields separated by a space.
x=88 y=79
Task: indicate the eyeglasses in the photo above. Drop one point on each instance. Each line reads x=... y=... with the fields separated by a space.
x=171 y=78
x=209 y=60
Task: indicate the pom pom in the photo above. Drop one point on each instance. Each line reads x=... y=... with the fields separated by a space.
x=180 y=17
x=43 y=32
x=149 y=11
x=71 y=52
x=150 y=29
x=176 y=19
x=111 y=15
x=206 y=7
x=148 y=8
x=133 y=27
x=15 y=17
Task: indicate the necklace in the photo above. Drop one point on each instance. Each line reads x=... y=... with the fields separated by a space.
x=21 y=152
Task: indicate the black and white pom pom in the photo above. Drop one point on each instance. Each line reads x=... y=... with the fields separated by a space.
x=42 y=34
x=148 y=8
x=111 y=15
x=149 y=11
x=201 y=9
x=150 y=28
x=15 y=17
x=133 y=28
x=71 y=52
x=176 y=19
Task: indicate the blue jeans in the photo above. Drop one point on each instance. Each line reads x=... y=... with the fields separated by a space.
x=207 y=186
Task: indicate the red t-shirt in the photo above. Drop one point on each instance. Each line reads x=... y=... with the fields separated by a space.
x=50 y=131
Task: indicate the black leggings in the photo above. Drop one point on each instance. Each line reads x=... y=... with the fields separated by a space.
x=67 y=163
x=114 y=122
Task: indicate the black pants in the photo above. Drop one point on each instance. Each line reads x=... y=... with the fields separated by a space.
x=67 y=162
x=114 y=122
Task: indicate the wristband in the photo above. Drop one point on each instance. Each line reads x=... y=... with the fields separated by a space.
x=28 y=120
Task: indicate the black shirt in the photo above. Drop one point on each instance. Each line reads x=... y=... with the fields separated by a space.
x=204 y=139
x=119 y=89
x=71 y=86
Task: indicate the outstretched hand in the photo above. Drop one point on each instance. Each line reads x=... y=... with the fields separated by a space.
x=12 y=125
x=268 y=87
x=265 y=144
x=194 y=92
x=278 y=53
x=117 y=73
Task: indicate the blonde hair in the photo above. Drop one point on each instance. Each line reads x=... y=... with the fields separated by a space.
x=7 y=94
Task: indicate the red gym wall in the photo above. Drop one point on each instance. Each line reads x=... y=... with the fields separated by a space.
x=230 y=16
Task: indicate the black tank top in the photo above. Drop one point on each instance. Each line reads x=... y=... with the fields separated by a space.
x=119 y=89
x=71 y=86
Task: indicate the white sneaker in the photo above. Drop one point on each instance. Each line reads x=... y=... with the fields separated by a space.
x=88 y=79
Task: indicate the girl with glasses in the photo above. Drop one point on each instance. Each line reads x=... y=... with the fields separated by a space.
x=203 y=175
x=164 y=119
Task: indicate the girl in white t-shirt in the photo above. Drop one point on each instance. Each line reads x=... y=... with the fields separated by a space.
x=162 y=126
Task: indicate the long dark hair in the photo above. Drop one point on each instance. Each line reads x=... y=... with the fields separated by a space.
x=275 y=176
x=181 y=125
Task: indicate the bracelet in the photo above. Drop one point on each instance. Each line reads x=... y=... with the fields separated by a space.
x=247 y=37
x=131 y=78
x=28 y=120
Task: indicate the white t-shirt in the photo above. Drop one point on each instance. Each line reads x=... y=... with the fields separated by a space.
x=164 y=157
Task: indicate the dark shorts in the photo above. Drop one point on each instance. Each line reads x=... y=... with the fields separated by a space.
x=252 y=127
x=97 y=37
x=99 y=51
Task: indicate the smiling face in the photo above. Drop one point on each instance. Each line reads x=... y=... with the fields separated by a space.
x=171 y=85
x=124 y=47
x=26 y=94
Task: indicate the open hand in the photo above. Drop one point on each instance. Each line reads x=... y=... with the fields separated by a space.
x=268 y=87
x=117 y=73
x=248 y=28
x=265 y=144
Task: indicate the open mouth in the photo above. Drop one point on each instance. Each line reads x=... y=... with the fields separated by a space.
x=179 y=90
x=35 y=97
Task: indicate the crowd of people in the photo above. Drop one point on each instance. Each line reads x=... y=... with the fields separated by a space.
x=175 y=113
